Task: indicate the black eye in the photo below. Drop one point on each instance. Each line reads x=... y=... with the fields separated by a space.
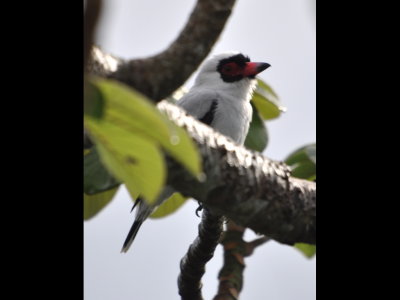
x=227 y=68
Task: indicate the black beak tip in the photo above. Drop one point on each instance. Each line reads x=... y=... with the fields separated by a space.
x=262 y=66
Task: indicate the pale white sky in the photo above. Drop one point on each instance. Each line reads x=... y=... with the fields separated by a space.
x=281 y=33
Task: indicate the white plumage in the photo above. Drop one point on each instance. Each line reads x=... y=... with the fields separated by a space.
x=233 y=113
x=220 y=97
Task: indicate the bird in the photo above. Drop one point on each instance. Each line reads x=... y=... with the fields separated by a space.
x=220 y=98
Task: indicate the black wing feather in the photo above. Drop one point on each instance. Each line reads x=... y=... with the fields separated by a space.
x=209 y=116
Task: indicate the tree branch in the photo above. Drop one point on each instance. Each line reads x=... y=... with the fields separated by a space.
x=159 y=76
x=243 y=185
x=235 y=250
x=198 y=254
x=92 y=13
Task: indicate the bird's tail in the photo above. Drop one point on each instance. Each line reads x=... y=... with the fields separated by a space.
x=131 y=235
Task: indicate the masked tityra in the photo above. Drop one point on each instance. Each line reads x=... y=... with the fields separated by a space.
x=219 y=98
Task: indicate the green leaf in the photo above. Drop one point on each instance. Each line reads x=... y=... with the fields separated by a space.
x=303 y=162
x=257 y=137
x=263 y=85
x=182 y=148
x=93 y=104
x=304 y=170
x=307 y=249
x=131 y=158
x=266 y=101
x=301 y=154
x=311 y=152
x=96 y=177
x=133 y=112
x=93 y=204
x=296 y=157
x=169 y=206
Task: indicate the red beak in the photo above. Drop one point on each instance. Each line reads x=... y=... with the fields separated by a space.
x=253 y=68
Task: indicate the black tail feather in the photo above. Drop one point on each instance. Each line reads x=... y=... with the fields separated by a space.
x=131 y=236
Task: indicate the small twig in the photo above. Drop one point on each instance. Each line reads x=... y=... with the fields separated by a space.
x=199 y=253
x=251 y=246
x=235 y=249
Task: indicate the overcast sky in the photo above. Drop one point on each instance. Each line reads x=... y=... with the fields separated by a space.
x=280 y=32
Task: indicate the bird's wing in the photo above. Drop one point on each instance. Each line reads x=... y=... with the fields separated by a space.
x=209 y=116
x=202 y=106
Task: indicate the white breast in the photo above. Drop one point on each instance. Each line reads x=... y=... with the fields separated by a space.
x=232 y=118
x=234 y=112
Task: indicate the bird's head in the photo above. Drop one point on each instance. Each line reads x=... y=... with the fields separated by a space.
x=230 y=71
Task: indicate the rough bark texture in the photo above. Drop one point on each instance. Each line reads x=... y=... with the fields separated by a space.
x=199 y=253
x=92 y=13
x=235 y=250
x=159 y=76
x=243 y=185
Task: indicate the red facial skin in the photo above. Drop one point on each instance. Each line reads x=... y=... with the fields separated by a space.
x=251 y=69
x=232 y=69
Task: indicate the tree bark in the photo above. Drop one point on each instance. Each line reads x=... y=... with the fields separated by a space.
x=245 y=186
x=235 y=250
x=199 y=253
x=159 y=76
x=92 y=12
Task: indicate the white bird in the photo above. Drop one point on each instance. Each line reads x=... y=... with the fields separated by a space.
x=220 y=98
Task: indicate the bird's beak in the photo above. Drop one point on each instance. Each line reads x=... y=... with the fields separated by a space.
x=253 y=68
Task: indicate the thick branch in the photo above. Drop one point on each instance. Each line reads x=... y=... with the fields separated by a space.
x=199 y=253
x=243 y=185
x=159 y=76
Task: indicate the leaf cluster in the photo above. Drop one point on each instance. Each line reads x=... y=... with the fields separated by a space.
x=131 y=138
